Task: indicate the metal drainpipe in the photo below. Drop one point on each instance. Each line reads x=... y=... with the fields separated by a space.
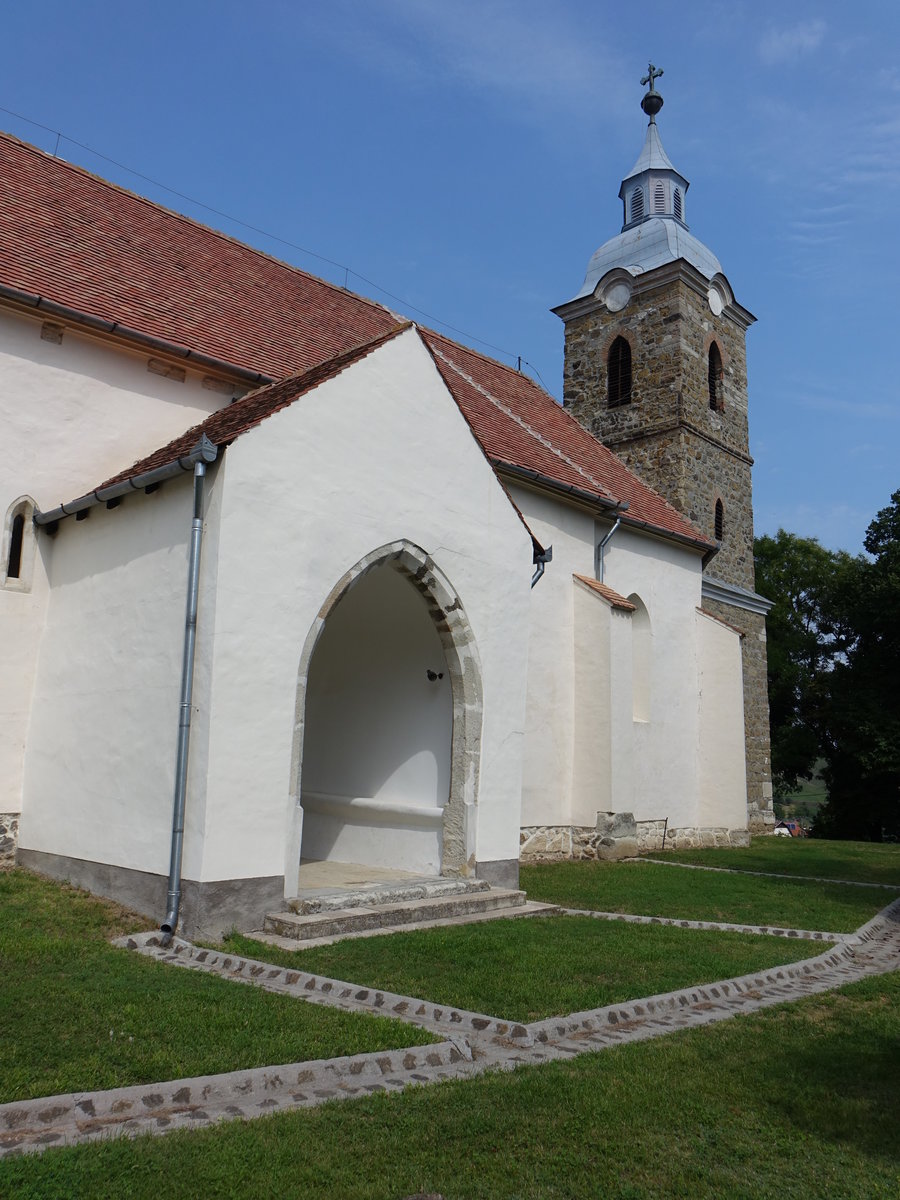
x=541 y=558
x=173 y=899
x=623 y=507
x=602 y=545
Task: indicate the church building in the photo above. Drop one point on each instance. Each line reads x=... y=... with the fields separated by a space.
x=287 y=578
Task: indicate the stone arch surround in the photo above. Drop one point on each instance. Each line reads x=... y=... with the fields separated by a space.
x=464 y=667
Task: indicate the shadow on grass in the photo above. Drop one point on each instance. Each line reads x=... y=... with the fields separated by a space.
x=832 y=1070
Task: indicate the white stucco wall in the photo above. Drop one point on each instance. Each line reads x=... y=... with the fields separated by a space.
x=379 y=453
x=723 y=784
x=77 y=412
x=667 y=579
x=547 y=788
x=585 y=751
x=73 y=413
x=101 y=756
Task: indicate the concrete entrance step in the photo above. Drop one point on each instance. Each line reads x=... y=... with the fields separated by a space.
x=384 y=915
x=391 y=891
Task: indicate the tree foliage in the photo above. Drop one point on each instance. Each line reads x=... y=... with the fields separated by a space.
x=806 y=638
x=834 y=666
x=862 y=727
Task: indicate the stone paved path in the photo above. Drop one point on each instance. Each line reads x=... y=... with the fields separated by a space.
x=817 y=935
x=667 y=862
x=471 y=1042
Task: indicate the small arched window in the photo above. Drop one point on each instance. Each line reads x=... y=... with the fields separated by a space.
x=637 y=204
x=16 y=537
x=714 y=375
x=720 y=520
x=659 y=197
x=677 y=205
x=18 y=546
x=618 y=369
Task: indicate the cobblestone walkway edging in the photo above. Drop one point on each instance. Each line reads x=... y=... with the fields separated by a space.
x=875 y=950
x=664 y=862
x=817 y=935
x=31 y=1126
x=319 y=989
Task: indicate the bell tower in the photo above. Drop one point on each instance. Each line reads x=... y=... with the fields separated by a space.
x=655 y=367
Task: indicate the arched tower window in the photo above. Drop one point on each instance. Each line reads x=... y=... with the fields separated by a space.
x=637 y=204
x=715 y=374
x=720 y=520
x=677 y=205
x=618 y=367
x=659 y=197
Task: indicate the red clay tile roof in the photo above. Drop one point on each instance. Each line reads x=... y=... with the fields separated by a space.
x=523 y=427
x=607 y=593
x=78 y=241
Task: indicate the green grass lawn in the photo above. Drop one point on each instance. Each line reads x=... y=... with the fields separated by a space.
x=799 y=1101
x=864 y=862
x=651 y=890
x=526 y=969
x=78 y=1014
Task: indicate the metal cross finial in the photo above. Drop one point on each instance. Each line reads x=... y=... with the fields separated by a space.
x=652 y=74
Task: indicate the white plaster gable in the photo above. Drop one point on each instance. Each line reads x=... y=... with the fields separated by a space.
x=378 y=453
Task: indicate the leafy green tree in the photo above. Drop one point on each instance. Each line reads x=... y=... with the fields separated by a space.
x=808 y=631
x=861 y=714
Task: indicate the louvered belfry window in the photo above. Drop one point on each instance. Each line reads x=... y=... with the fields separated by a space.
x=618 y=366
x=637 y=204
x=715 y=378
x=720 y=520
x=659 y=197
x=677 y=204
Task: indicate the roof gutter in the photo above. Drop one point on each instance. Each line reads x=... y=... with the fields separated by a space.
x=100 y=325
x=596 y=501
x=204 y=451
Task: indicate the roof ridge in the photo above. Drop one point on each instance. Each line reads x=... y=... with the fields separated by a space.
x=538 y=437
x=486 y=358
x=171 y=212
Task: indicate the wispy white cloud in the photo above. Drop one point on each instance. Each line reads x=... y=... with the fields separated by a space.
x=540 y=56
x=789 y=43
x=851 y=407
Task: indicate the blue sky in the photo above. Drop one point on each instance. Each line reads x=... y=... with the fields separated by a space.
x=463 y=159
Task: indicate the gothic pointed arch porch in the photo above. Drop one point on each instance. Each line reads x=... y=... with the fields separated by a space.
x=460 y=651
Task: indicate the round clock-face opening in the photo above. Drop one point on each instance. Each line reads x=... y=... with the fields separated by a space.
x=617 y=296
x=716 y=303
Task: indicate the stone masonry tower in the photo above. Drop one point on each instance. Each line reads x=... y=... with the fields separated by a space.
x=655 y=367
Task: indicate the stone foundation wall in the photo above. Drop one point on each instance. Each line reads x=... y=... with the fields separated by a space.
x=559 y=842
x=9 y=838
